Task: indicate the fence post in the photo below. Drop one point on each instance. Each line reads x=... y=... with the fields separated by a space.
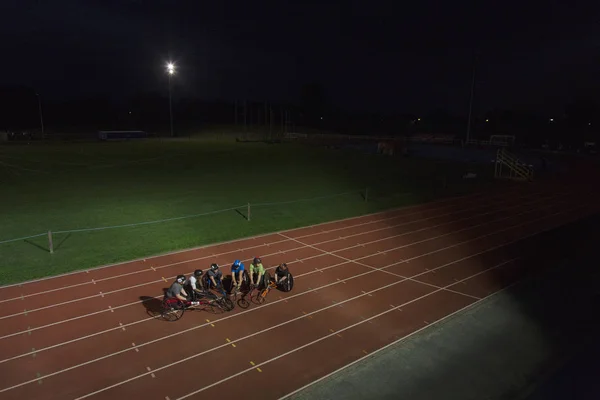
x=366 y=193
x=50 y=245
x=248 y=211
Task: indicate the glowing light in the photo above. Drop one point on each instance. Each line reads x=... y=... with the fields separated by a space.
x=170 y=68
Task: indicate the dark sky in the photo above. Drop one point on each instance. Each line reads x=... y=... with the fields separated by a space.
x=388 y=55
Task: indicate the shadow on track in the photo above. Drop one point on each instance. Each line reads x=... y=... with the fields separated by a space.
x=153 y=306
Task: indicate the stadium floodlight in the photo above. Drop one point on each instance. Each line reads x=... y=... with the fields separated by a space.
x=170 y=71
x=170 y=68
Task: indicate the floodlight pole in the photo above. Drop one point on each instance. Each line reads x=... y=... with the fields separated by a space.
x=170 y=104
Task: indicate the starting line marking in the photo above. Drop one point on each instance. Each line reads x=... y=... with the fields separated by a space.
x=152 y=374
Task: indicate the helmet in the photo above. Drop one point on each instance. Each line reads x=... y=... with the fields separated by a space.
x=214 y=266
x=256 y=261
x=198 y=272
x=283 y=266
x=236 y=263
x=180 y=278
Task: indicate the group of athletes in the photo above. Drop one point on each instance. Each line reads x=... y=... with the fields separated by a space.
x=199 y=284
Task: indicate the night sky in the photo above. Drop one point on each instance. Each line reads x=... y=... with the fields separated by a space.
x=368 y=55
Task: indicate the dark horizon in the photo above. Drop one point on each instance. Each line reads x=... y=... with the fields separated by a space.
x=373 y=57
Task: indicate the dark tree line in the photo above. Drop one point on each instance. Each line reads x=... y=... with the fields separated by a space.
x=19 y=110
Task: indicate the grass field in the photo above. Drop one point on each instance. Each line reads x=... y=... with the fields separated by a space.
x=61 y=187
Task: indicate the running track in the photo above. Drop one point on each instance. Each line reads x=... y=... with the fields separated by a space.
x=361 y=284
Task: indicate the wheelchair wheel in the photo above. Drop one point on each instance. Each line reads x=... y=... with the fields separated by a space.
x=172 y=313
x=288 y=284
x=212 y=308
x=243 y=303
x=228 y=304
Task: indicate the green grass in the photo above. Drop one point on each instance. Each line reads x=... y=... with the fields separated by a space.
x=77 y=186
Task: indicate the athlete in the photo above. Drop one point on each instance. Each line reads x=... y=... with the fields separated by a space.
x=177 y=291
x=281 y=274
x=194 y=286
x=256 y=268
x=237 y=272
x=214 y=277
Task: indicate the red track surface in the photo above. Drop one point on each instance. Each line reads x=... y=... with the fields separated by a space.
x=360 y=284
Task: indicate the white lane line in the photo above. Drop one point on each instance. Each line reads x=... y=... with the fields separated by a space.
x=291 y=262
x=398 y=340
x=277 y=301
x=153 y=268
x=347 y=248
x=325 y=268
x=278 y=326
x=334 y=333
x=378 y=269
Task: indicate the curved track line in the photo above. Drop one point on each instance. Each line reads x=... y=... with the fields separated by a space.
x=366 y=243
x=334 y=333
x=157 y=297
x=270 y=268
x=245 y=312
x=509 y=243
x=275 y=327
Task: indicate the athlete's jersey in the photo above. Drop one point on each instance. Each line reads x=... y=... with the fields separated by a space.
x=237 y=269
x=192 y=282
x=174 y=290
x=280 y=271
x=217 y=275
x=257 y=268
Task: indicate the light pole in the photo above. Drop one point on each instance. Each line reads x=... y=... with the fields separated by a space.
x=170 y=71
x=40 y=112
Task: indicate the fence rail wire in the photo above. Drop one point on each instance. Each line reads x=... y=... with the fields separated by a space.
x=158 y=221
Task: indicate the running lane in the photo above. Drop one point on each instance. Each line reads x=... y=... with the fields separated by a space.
x=361 y=281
